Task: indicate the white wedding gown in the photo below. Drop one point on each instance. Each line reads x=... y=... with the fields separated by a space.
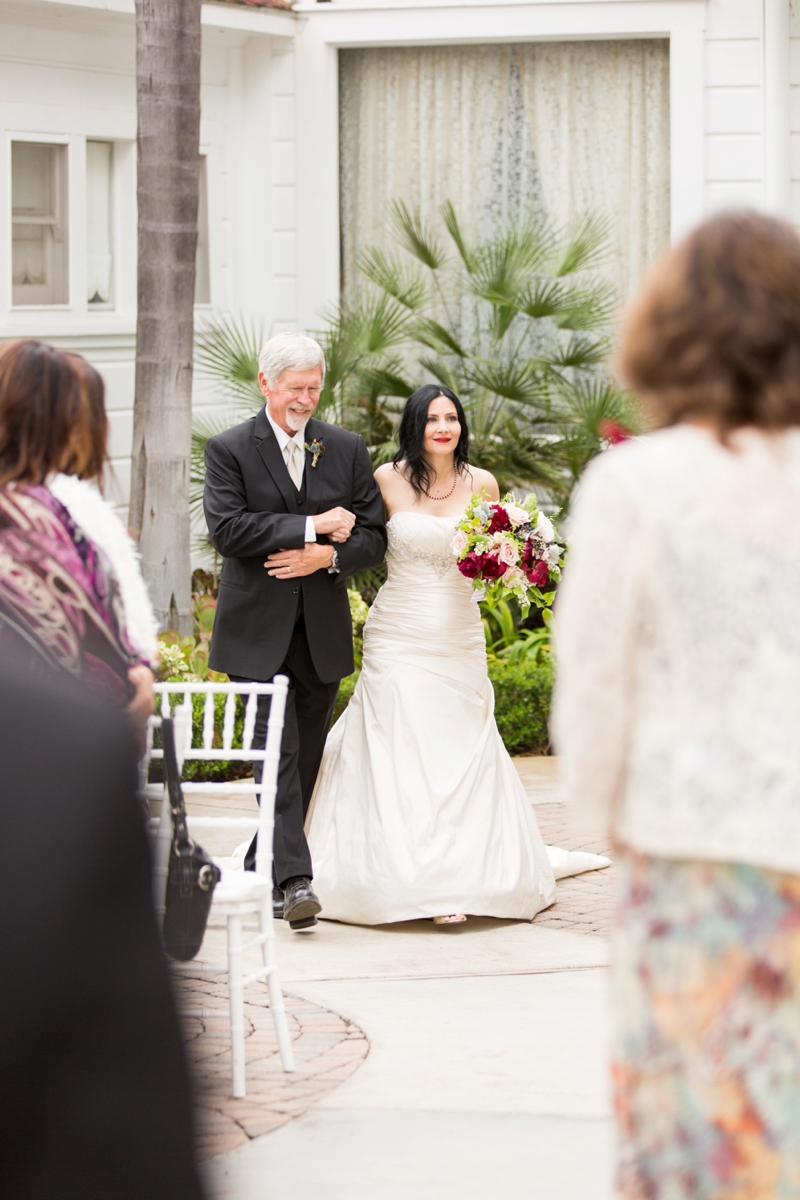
x=418 y=810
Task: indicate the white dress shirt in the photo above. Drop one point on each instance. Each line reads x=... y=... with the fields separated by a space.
x=299 y=440
x=677 y=707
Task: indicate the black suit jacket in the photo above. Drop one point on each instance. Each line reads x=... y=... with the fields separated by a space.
x=94 y=1099
x=252 y=510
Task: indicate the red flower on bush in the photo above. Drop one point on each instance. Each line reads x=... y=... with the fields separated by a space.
x=500 y=521
x=538 y=573
x=613 y=432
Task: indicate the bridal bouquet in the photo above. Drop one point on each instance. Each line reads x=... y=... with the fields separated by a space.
x=508 y=549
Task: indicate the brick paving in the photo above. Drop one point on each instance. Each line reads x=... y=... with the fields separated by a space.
x=328 y=1049
x=585 y=902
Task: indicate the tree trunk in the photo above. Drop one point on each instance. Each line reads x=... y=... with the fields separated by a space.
x=168 y=140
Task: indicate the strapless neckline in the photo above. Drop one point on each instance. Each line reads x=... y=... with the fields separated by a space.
x=407 y=512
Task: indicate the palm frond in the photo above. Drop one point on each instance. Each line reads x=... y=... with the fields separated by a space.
x=589 y=308
x=388 y=273
x=585 y=245
x=384 y=381
x=581 y=351
x=203 y=429
x=502 y=264
x=226 y=350
x=442 y=372
x=433 y=335
x=523 y=383
x=454 y=229
x=412 y=232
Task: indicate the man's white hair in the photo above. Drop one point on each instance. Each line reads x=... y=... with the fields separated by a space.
x=289 y=352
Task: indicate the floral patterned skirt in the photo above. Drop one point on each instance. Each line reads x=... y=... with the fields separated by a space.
x=706 y=999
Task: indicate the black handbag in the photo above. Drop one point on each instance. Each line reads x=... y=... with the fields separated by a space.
x=192 y=875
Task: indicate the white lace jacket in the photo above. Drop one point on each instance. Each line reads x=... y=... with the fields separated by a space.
x=100 y=524
x=677 y=710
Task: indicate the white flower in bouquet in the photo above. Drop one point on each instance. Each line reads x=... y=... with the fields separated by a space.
x=517 y=515
x=544 y=526
x=459 y=543
x=553 y=553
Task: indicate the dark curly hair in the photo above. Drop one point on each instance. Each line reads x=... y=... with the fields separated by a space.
x=715 y=331
x=411 y=436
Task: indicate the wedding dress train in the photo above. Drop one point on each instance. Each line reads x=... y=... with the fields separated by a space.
x=418 y=810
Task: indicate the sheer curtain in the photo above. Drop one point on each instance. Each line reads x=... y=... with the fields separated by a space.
x=572 y=126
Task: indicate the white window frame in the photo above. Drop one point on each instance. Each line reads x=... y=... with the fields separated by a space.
x=208 y=160
x=76 y=315
x=324 y=29
x=27 y=311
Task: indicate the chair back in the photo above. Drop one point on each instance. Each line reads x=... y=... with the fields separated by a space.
x=211 y=737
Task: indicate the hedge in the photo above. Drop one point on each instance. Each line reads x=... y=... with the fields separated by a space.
x=521 y=707
x=522 y=693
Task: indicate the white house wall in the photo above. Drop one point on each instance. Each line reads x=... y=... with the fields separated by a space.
x=270 y=133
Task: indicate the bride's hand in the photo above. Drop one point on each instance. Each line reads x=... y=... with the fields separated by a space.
x=337 y=523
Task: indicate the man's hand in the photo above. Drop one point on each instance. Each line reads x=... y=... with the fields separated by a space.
x=336 y=522
x=291 y=564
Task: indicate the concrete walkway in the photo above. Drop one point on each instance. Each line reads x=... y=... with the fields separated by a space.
x=486 y=1074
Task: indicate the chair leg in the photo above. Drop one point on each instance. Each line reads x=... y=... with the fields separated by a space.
x=161 y=859
x=236 y=998
x=277 y=1007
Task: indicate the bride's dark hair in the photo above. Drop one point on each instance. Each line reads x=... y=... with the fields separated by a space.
x=411 y=436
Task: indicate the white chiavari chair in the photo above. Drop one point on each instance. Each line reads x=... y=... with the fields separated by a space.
x=242 y=899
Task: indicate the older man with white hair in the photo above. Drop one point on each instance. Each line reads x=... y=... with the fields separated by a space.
x=293 y=508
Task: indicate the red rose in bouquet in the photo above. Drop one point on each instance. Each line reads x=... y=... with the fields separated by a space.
x=538 y=574
x=500 y=521
x=471 y=565
x=481 y=564
x=491 y=567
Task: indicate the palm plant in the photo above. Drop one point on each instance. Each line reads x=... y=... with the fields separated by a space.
x=518 y=326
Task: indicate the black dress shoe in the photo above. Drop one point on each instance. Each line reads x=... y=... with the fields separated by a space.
x=300 y=904
x=277 y=904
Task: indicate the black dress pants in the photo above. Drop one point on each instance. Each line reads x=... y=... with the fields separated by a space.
x=309 y=707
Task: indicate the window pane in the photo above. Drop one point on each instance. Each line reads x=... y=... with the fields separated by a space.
x=202 y=276
x=99 y=224
x=39 y=246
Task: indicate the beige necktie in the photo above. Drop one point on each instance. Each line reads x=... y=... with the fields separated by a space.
x=295 y=463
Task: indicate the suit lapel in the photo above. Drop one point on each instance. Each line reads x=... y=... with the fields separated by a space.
x=270 y=451
x=314 y=475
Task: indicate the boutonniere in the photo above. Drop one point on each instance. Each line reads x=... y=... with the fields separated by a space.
x=316 y=449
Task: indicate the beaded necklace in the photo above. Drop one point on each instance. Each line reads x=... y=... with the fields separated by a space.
x=447 y=495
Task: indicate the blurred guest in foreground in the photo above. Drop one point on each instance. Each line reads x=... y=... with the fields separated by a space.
x=94 y=1102
x=71 y=591
x=678 y=715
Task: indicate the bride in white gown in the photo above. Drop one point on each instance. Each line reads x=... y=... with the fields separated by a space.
x=418 y=810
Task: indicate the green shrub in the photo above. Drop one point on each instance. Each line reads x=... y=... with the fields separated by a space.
x=522 y=692
x=201 y=770
x=345 y=692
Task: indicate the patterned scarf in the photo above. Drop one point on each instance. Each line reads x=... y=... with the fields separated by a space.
x=58 y=596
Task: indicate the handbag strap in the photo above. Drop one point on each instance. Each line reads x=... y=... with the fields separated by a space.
x=172 y=775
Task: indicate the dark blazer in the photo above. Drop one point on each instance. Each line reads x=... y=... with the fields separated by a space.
x=252 y=510
x=94 y=1097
